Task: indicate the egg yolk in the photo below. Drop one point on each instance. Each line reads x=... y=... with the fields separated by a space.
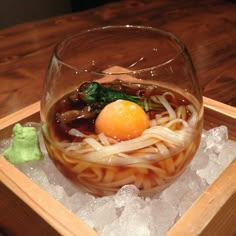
x=122 y=120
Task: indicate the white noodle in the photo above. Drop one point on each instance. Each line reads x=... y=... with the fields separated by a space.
x=104 y=140
x=148 y=139
x=93 y=143
x=112 y=140
x=146 y=184
x=151 y=136
x=146 y=107
x=139 y=181
x=97 y=187
x=168 y=94
x=160 y=172
x=194 y=117
x=148 y=150
x=163 y=120
x=181 y=112
x=125 y=146
x=158 y=116
x=164 y=151
x=80 y=150
x=129 y=180
x=75 y=132
x=124 y=155
x=154 y=99
x=80 y=167
x=155 y=143
x=98 y=172
x=67 y=145
x=168 y=107
x=153 y=122
x=184 y=123
x=109 y=176
x=167 y=135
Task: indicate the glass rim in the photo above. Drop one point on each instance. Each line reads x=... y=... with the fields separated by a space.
x=149 y=28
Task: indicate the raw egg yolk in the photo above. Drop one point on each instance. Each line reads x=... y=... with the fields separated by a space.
x=122 y=120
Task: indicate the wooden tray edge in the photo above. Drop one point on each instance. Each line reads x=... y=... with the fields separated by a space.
x=219 y=107
x=214 y=211
x=60 y=218
x=19 y=115
x=180 y=225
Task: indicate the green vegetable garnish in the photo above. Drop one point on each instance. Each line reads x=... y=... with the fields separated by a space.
x=99 y=96
x=96 y=92
x=25 y=145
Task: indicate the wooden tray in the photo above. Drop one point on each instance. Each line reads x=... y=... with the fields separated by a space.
x=26 y=209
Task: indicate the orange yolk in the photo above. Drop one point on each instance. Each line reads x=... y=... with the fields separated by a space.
x=122 y=120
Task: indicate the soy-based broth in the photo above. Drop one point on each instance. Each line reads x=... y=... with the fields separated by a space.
x=83 y=155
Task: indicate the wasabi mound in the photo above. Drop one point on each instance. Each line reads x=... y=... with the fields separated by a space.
x=25 y=145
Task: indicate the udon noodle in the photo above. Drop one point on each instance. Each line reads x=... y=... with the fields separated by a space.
x=102 y=164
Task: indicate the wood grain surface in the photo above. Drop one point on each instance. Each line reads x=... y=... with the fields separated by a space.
x=26 y=204
x=214 y=211
x=33 y=209
x=208 y=29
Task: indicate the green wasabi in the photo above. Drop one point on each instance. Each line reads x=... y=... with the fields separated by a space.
x=25 y=145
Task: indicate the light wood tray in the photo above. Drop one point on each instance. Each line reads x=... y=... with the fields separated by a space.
x=26 y=209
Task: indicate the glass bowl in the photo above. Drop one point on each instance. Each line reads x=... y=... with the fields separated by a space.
x=121 y=105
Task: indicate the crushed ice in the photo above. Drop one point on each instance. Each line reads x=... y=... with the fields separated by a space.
x=126 y=213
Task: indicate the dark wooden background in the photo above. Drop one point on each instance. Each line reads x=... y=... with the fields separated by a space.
x=208 y=29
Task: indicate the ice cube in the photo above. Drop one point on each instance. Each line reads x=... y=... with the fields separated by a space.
x=187 y=202
x=125 y=195
x=55 y=176
x=196 y=186
x=175 y=192
x=227 y=154
x=78 y=201
x=135 y=220
x=210 y=172
x=126 y=213
x=103 y=215
x=33 y=170
x=164 y=215
x=135 y=224
x=87 y=211
x=184 y=191
x=218 y=161
x=56 y=191
x=4 y=144
x=200 y=160
x=216 y=138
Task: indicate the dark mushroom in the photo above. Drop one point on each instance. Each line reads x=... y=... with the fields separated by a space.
x=71 y=115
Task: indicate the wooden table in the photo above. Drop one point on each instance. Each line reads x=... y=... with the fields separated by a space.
x=208 y=29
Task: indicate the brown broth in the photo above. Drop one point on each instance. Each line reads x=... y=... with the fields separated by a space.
x=104 y=179
x=71 y=102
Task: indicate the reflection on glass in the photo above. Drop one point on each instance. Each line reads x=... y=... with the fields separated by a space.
x=121 y=105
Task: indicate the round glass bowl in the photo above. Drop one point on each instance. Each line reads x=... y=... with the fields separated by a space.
x=121 y=105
